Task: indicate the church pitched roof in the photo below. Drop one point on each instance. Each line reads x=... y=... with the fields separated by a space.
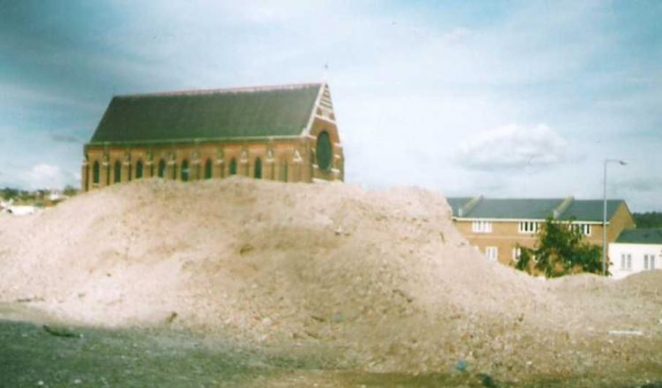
x=279 y=111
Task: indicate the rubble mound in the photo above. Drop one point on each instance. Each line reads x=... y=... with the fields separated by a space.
x=382 y=280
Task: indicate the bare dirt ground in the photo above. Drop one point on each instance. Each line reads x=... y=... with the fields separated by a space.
x=378 y=282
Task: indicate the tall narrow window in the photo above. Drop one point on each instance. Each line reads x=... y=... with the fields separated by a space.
x=86 y=176
x=208 y=169
x=139 y=169
x=162 y=168
x=584 y=229
x=95 y=172
x=649 y=262
x=117 y=172
x=129 y=172
x=174 y=171
x=285 y=173
x=324 y=151
x=185 y=171
x=517 y=253
x=528 y=227
x=258 y=168
x=492 y=253
x=481 y=227
x=233 y=166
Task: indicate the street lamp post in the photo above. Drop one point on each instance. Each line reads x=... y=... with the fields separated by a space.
x=604 y=213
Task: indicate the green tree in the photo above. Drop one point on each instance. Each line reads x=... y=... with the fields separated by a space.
x=70 y=191
x=9 y=193
x=560 y=250
x=648 y=219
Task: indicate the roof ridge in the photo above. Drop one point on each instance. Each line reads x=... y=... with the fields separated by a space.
x=465 y=209
x=244 y=89
x=563 y=206
x=544 y=199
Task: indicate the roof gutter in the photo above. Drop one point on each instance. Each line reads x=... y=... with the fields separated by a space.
x=524 y=220
x=190 y=141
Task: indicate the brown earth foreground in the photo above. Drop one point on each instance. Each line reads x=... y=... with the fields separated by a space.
x=376 y=281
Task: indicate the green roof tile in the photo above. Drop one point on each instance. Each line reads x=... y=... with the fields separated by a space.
x=228 y=113
x=640 y=236
x=590 y=209
x=515 y=208
x=456 y=203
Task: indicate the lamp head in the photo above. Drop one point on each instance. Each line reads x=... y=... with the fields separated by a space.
x=622 y=163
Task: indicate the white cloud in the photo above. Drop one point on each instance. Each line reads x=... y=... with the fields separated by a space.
x=513 y=146
x=46 y=176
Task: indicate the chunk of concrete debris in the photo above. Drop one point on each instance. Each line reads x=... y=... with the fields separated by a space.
x=171 y=317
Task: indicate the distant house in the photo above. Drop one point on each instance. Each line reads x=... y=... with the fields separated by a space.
x=17 y=210
x=498 y=226
x=286 y=133
x=636 y=250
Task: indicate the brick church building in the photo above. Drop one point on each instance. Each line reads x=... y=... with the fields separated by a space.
x=286 y=133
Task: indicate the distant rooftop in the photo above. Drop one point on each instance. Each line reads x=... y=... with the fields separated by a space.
x=564 y=209
x=640 y=236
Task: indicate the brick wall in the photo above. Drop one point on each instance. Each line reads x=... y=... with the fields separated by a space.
x=290 y=160
x=505 y=235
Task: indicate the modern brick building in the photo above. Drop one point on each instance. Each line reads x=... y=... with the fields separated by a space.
x=498 y=226
x=286 y=133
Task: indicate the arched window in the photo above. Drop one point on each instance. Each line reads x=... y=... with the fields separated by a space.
x=233 y=166
x=95 y=172
x=162 y=168
x=186 y=173
x=258 y=168
x=139 y=169
x=324 y=151
x=208 y=169
x=117 y=172
x=284 y=172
